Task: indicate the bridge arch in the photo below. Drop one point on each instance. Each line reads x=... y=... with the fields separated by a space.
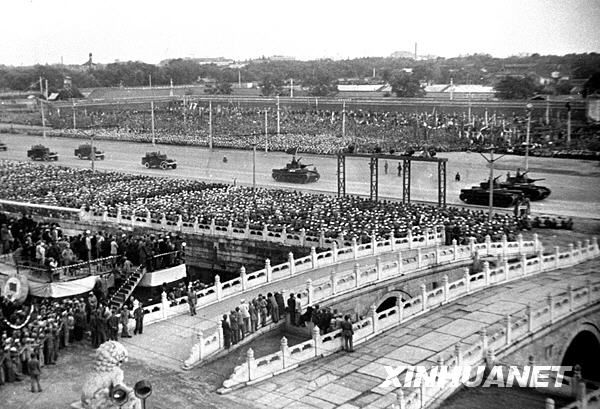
x=390 y=299
x=583 y=348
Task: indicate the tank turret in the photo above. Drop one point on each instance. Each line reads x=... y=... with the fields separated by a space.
x=296 y=172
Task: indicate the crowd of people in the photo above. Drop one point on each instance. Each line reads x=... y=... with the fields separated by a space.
x=316 y=130
x=276 y=209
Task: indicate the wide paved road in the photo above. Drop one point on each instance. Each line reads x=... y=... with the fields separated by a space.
x=574 y=183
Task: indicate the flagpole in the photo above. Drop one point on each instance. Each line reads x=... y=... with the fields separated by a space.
x=152 y=112
x=266 y=133
x=42 y=109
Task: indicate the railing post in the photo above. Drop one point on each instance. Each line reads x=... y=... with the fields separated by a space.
x=424 y=296
x=313 y=257
x=536 y=242
x=446 y=288
x=524 y=264
x=506 y=268
x=285 y=352
x=472 y=245
x=356 y=274
x=213 y=227
x=556 y=257
x=220 y=334
x=316 y=336
x=373 y=314
x=419 y=256
x=251 y=363
x=164 y=304
x=401 y=403
x=572 y=254
x=284 y=236
x=333 y=283
x=119 y=215
x=409 y=236
x=541 y=260
x=488 y=244
x=321 y=239
x=334 y=252
x=490 y=358
x=268 y=270
x=467 y=277
x=549 y=404
x=437 y=253
x=302 y=237
x=247 y=229
x=529 y=312
x=458 y=354
x=400 y=305
x=484 y=340
x=310 y=292
x=163 y=220
x=373 y=243
x=581 y=395
x=399 y=262
x=455 y=249
x=595 y=244
x=354 y=248
x=508 y=329
x=486 y=273
x=196 y=224
x=218 y=287
x=292 y=263
x=426 y=233
x=504 y=241
x=243 y=278
x=230 y=229
x=378 y=267
x=392 y=242
x=520 y=242
x=550 y=301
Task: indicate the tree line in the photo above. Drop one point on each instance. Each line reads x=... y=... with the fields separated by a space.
x=321 y=77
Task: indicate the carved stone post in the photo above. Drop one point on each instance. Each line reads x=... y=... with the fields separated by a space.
x=424 y=297
x=446 y=287
x=251 y=363
x=310 y=292
x=218 y=287
x=268 y=270
x=285 y=353
x=291 y=263
x=334 y=252
x=508 y=329
x=243 y=278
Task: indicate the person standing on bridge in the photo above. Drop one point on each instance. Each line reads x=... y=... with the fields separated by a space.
x=274 y=308
x=226 y=332
x=138 y=314
x=245 y=311
x=399 y=169
x=385 y=167
x=192 y=298
x=253 y=311
x=291 y=302
x=233 y=322
x=347 y=334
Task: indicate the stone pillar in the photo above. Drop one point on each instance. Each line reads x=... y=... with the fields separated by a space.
x=213 y=227
x=488 y=244
x=105 y=216
x=292 y=263
x=504 y=242
x=419 y=256
x=265 y=232
x=220 y=334
x=467 y=278
x=572 y=254
x=570 y=295
x=541 y=260
x=243 y=278
x=196 y=224
x=285 y=353
x=200 y=343
x=119 y=215
x=472 y=245
x=486 y=273
x=164 y=304
x=401 y=403
x=400 y=306
x=595 y=243
x=399 y=262
x=373 y=243
x=354 y=248
x=458 y=354
x=268 y=270
x=581 y=398
x=316 y=336
x=506 y=268
x=251 y=363
x=550 y=301
x=484 y=340
x=334 y=252
x=313 y=257
x=529 y=312
x=378 y=268
x=218 y=287
x=333 y=279
x=508 y=322
x=310 y=292
x=284 y=236
x=373 y=313
x=302 y=237
x=426 y=234
x=536 y=241
x=179 y=221
x=392 y=242
x=409 y=237
x=321 y=239
x=520 y=242
x=523 y=264
x=446 y=287
x=437 y=253
x=454 y=249
x=423 y=297
x=556 y=257
x=357 y=275
x=549 y=403
x=490 y=358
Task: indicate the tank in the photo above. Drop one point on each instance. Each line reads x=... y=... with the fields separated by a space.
x=525 y=185
x=296 y=172
x=480 y=195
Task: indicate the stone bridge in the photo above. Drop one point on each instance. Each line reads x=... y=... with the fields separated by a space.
x=502 y=312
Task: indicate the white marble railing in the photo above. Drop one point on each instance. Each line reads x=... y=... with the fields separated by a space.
x=255 y=369
x=249 y=281
x=373 y=271
x=585 y=401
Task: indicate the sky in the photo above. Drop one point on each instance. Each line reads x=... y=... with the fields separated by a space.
x=46 y=31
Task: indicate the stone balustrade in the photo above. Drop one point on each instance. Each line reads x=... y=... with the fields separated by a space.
x=517 y=327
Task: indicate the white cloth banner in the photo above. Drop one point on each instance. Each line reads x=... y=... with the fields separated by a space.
x=168 y=275
x=63 y=288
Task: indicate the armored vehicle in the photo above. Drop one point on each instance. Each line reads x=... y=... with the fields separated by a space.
x=525 y=185
x=85 y=152
x=40 y=152
x=3 y=146
x=158 y=160
x=480 y=195
x=296 y=172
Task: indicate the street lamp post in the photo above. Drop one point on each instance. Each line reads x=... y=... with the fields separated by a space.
x=491 y=160
x=528 y=107
x=254 y=162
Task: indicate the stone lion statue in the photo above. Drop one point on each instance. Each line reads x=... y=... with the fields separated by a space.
x=106 y=375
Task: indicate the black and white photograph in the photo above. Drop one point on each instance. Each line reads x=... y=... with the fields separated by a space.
x=307 y=204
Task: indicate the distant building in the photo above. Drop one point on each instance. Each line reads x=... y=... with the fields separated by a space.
x=450 y=91
x=363 y=90
x=282 y=58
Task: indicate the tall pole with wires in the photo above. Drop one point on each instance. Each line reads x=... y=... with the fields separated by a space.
x=491 y=160
x=42 y=108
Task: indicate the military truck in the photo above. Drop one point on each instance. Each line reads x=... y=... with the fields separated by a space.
x=158 y=160
x=40 y=152
x=85 y=152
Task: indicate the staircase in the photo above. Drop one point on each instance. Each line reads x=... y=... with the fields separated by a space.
x=131 y=281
